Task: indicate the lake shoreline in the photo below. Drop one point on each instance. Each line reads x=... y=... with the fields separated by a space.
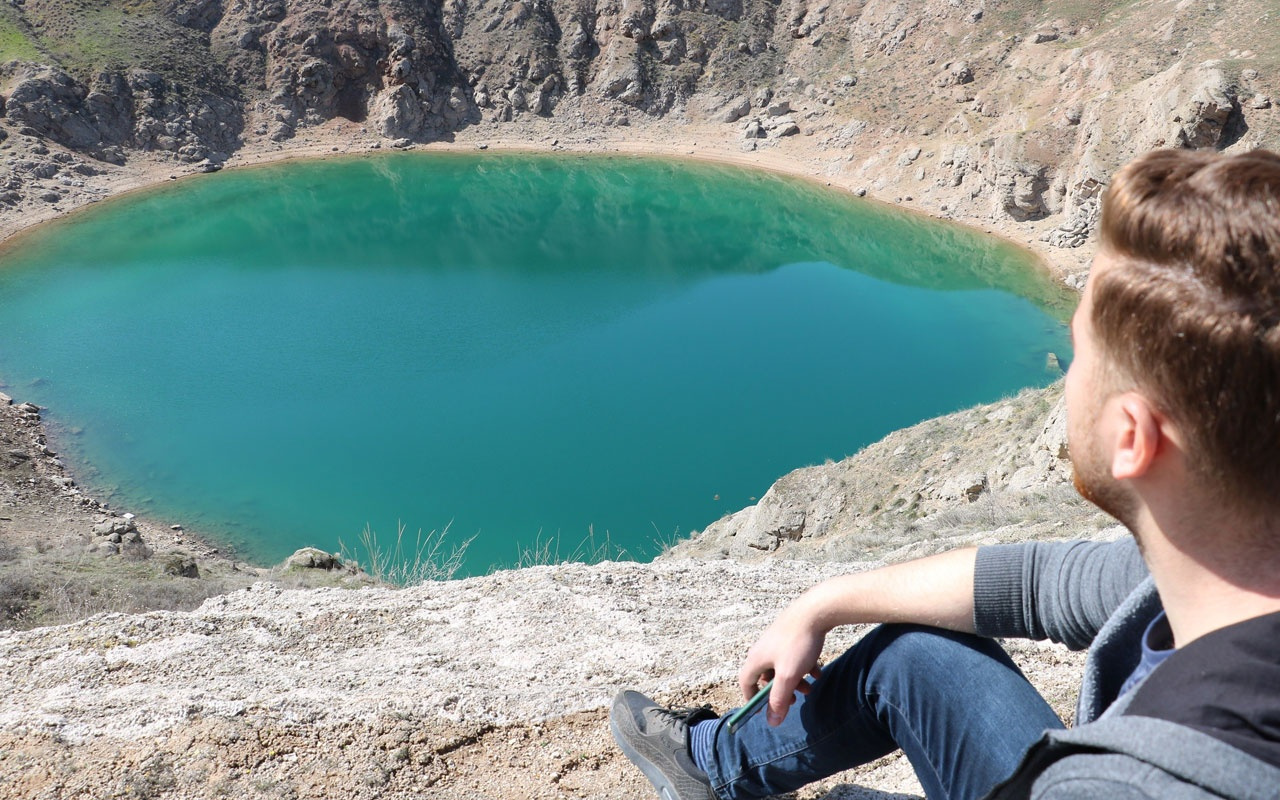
x=60 y=516
x=777 y=213
x=694 y=142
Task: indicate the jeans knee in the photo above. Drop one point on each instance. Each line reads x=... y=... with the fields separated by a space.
x=919 y=651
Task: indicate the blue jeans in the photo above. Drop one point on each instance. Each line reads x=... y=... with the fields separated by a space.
x=954 y=703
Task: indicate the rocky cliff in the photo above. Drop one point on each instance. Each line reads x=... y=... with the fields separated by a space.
x=1009 y=114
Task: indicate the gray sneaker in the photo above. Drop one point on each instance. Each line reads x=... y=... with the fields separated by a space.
x=656 y=740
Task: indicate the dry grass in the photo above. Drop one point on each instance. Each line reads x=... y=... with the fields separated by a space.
x=427 y=557
x=61 y=586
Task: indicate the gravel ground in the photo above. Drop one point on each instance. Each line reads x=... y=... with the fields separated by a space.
x=486 y=687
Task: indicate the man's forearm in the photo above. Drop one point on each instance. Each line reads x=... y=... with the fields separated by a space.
x=936 y=590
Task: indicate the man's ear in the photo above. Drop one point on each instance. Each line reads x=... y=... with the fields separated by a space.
x=1138 y=430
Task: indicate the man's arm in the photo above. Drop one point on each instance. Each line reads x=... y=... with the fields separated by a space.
x=1061 y=591
x=937 y=591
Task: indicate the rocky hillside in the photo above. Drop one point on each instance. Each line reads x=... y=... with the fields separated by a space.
x=1006 y=113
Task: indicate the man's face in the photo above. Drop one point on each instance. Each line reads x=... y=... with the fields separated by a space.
x=1087 y=391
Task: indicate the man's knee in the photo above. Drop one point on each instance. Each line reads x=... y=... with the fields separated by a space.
x=916 y=653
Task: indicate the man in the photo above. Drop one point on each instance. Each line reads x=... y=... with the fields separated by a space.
x=1173 y=404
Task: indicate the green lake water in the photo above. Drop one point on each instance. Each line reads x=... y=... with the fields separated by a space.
x=544 y=352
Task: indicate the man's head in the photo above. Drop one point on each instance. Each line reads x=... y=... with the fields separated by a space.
x=1183 y=308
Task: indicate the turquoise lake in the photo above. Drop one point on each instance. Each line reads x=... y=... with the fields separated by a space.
x=538 y=351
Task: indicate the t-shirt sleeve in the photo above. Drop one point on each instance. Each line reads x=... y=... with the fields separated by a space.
x=1062 y=591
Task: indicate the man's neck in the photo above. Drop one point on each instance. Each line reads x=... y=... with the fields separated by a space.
x=1209 y=581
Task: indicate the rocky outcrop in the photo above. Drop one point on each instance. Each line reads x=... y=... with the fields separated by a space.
x=132 y=109
x=386 y=63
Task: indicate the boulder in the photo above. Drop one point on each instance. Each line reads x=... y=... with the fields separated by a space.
x=736 y=109
x=1204 y=119
x=182 y=567
x=115 y=528
x=960 y=73
x=968 y=487
x=312 y=558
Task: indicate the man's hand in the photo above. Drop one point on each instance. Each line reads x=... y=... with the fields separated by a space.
x=786 y=652
x=937 y=591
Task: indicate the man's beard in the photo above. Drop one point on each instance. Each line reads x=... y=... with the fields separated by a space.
x=1094 y=483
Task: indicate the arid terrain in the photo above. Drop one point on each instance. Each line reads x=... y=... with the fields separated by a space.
x=1006 y=116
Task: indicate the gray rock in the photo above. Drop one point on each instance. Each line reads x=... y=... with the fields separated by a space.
x=967 y=487
x=1206 y=117
x=182 y=567
x=312 y=558
x=737 y=108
